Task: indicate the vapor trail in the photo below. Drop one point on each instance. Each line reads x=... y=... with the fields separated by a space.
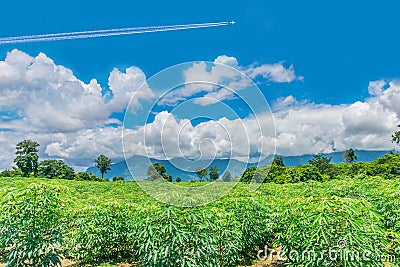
x=104 y=33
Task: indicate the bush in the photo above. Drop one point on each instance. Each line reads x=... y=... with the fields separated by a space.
x=118 y=178
x=306 y=172
x=248 y=174
x=55 y=169
x=318 y=225
x=15 y=172
x=187 y=237
x=83 y=176
x=30 y=227
x=102 y=232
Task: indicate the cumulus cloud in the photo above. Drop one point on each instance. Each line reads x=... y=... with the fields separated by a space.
x=302 y=127
x=224 y=77
x=274 y=73
x=73 y=120
x=45 y=101
x=169 y=137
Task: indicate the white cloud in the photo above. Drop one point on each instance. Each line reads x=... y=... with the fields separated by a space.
x=376 y=88
x=168 y=137
x=274 y=73
x=222 y=79
x=69 y=118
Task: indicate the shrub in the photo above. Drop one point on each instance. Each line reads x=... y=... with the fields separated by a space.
x=102 y=232
x=83 y=176
x=31 y=228
x=248 y=174
x=15 y=172
x=316 y=226
x=55 y=169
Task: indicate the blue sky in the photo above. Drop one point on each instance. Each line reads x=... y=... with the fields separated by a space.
x=339 y=47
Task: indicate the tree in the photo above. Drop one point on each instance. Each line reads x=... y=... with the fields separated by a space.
x=214 y=173
x=248 y=174
x=278 y=161
x=201 y=172
x=322 y=163
x=350 y=155
x=55 y=169
x=27 y=158
x=178 y=179
x=83 y=176
x=103 y=163
x=226 y=177
x=396 y=137
x=118 y=178
x=157 y=171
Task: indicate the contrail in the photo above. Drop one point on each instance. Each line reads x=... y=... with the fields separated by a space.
x=105 y=33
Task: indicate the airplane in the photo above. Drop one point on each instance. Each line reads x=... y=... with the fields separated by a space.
x=232 y=22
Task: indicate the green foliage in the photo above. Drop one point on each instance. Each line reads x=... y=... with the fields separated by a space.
x=118 y=221
x=83 y=176
x=158 y=171
x=14 y=172
x=103 y=163
x=396 y=137
x=178 y=179
x=30 y=226
x=320 y=169
x=55 y=169
x=27 y=159
x=321 y=163
x=118 y=178
x=213 y=173
x=100 y=232
x=201 y=172
x=248 y=174
x=350 y=155
x=278 y=161
x=227 y=176
x=319 y=225
x=187 y=237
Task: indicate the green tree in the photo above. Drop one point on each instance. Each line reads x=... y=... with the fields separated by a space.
x=278 y=161
x=214 y=173
x=201 y=172
x=248 y=174
x=178 y=179
x=350 y=155
x=14 y=172
x=27 y=158
x=396 y=137
x=322 y=163
x=83 y=176
x=157 y=171
x=55 y=169
x=226 y=177
x=103 y=163
x=118 y=178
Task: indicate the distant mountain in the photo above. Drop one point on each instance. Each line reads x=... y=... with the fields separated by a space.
x=186 y=169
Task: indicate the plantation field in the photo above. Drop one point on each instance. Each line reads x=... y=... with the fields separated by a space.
x=349 y=222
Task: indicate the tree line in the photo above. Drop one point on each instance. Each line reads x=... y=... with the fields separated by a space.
x=28 y=165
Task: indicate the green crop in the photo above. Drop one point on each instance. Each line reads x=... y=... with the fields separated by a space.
x=95 y=222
